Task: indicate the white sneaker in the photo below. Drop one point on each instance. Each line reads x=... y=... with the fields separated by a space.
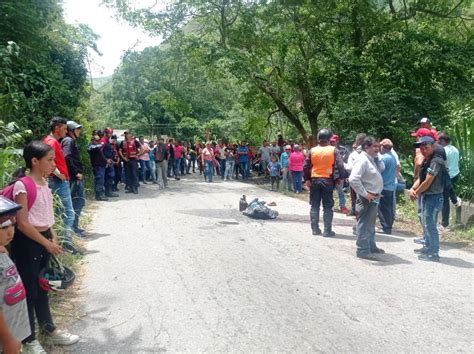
x=458 y=203
x=33 y=347
x=62 y=338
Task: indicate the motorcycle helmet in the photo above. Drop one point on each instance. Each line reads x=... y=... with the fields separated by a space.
x=55 y=276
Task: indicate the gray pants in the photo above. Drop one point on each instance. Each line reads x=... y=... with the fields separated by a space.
x=161 y=173
x=365 y=229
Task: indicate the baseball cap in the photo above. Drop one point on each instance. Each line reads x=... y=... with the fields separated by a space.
x=108 y=130
x=422 y=132
x=386 y=142
x=334 y=138
x=71 y=125
x=423 y=141
x=288 y=147
x=424 y=120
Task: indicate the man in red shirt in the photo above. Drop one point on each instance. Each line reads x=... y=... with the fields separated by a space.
x=59 y=180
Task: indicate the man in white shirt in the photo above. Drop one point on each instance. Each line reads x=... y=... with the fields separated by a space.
x=367 y=182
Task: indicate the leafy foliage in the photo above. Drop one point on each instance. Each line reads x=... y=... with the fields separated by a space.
x=42 y=63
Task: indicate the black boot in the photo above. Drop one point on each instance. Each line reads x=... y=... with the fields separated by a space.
x=109 y=193
x=315 y=222
x=327 y=217
x=101 y=198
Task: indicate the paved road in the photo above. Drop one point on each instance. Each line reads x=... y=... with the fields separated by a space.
x=183 y=270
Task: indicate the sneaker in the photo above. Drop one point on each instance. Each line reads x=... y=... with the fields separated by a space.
x=378 y=250
x=429 y=257
x=62 y=338
x=419 y=240
x=422 y=250
x=344 y=210
x=317 y=232
x=33 y=347
x=80 y=233
x=458 y=203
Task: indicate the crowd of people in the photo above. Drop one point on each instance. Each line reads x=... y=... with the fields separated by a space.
x=372 y=171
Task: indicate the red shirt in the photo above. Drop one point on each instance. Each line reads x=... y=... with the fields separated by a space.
x=58 y=155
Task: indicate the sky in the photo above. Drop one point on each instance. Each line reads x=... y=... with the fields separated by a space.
x=116 y=36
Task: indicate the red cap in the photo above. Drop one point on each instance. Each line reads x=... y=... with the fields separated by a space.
x=334 y=138
x=108 y=130
x=423 y=132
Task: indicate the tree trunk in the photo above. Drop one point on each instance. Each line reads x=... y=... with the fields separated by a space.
x=293 y=118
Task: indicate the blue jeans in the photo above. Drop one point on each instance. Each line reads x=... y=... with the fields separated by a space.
x=386 y=214
x=365 y=229
x=208 y=170
x=222 y=171
x=286 y=178
x=244 y=168
x=78 y=200
x=144 y=165
x=177 y=164
x=153 y=170
x=341 y=195
x=229 y=169
x=297 y=177
x=431 y=206
x=99 y=179
x=63 y=191
x=109 y=178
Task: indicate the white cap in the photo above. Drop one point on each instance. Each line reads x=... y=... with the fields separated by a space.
x=424 y=120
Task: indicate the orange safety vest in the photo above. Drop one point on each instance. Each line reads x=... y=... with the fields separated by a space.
x=322 y=161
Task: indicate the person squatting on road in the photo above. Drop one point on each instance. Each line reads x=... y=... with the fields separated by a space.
x=75 y=170
x=59 y=179
x=34 y=241
x=323 y=164
x=367 y=182
x=429 y=188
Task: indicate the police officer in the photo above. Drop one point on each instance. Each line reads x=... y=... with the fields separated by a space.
x=323 y=163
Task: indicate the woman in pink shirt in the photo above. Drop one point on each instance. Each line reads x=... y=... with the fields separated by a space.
x=35 y=240
x=295 y=165
x=208 y=160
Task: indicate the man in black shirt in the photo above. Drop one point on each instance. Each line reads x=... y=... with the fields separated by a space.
x=75 y=169
x=429 y=187
x=99 y=163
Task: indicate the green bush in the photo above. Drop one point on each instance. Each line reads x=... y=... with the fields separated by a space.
x=462 y=137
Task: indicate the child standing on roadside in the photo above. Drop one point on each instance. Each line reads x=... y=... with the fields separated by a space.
x=14 y=324
x=35 y=239
x=274 y=168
